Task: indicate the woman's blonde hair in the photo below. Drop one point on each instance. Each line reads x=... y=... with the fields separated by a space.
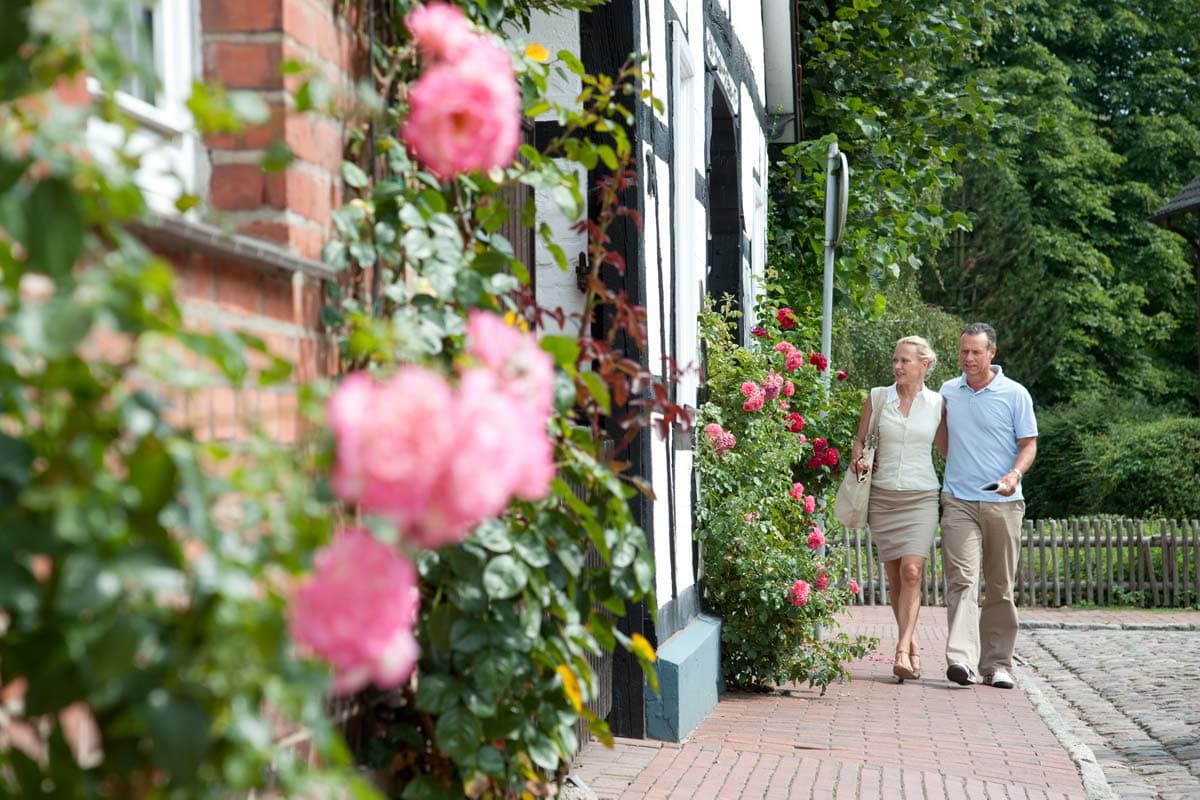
x=924 y=351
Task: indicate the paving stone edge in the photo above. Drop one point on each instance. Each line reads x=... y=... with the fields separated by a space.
x=1037 y=624
x=1095 y=784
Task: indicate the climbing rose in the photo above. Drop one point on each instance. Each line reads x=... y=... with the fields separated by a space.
x=819 y=361
x=441 y=32
x=810 y=504
x=797 y=491
x=815 y=539
x=758 y=331
x=799 y=594
x=773 y=385
x=795 y=422
x=722 y=440
x=749 y=388
x=854 y=588
x=793 y=361
x=356 y=611
x=789 y=389
x=787 y=318
x=465 y=115
x=754 y=403
x=523 y=370
x=842 y=374
x=819 y=444
x=822 y=581
x=784 y=347
x=832 y=456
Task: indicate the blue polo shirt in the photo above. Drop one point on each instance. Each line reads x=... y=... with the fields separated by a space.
x=984 y=427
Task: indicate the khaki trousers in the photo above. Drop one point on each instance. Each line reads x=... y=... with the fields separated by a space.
x=979 y=535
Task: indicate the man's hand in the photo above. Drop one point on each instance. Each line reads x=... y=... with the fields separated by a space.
x=1008 y=484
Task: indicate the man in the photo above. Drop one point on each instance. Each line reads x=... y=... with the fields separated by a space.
x=989 y=439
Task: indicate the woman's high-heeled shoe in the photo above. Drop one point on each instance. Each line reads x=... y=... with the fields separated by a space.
x=902 y=669
x=914 y=657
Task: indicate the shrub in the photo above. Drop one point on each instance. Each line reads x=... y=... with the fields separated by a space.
x=764 y=571
x=1146 y=469
x=1062 y=481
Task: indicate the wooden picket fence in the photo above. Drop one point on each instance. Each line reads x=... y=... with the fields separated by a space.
x=1096 y=561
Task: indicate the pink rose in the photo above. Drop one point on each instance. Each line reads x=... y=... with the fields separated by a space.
x=793 y=361
x=802 y=438
x=722 y=440
x=394 y=440
x=749 y=388
x=357 y=610
x=784 y=347
x=810 y=504
x=816 y=539
x=522 y=368
x=465 y=115
x=797 y=491
x=787 y=318
x=822 y=581
x=799 y=594
x=854 y=587
x=789 y=389
x=773 y=385
x=441 y=32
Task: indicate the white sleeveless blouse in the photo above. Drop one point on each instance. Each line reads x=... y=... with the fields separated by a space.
x=905 y=454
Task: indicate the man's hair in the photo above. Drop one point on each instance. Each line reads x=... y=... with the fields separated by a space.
x=976 y=328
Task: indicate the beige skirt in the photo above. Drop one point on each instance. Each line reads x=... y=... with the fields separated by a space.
x=902 y=523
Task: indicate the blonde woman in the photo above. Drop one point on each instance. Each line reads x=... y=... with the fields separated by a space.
x=903 y=512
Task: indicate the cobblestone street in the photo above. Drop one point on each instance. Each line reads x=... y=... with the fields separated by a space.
x=1130 y=694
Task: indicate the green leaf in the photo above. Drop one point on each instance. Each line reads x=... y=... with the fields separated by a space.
x=489 y=262
x=572 y=62
x=494 y=535
x=564 y=349
x=437 y=693
x=277 y=157
x=16 y=463
x=542 y=751
x=458 y=733
x=490 y=761
x=54 y=227
x=353 y=175
x=504 y=577
x=469 y=635
x=598 y=390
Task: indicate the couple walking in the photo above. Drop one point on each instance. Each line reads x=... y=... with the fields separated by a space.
x=984 y=426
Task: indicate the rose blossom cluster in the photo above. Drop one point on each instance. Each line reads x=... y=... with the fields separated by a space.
x=798 y=596
x=465 y=109
x=772 y=385
x=721 y=439
x=793 y=359
x=786 y=318
x=823 y=455
x=816 y=538
x=819 y=360
x=439 y=459
x=755 y=396
x=357 y=611
x=436 y=459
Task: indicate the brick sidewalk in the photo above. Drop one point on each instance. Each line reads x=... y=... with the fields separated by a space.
x=869 y=738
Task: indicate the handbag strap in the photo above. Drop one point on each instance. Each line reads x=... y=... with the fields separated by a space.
x=878 y=394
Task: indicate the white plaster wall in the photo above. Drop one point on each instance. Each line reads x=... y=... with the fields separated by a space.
x=557 y=288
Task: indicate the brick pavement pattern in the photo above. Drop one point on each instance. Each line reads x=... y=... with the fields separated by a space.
x=869 y=738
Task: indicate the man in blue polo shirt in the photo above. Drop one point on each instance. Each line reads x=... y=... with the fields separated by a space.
x=989 y=439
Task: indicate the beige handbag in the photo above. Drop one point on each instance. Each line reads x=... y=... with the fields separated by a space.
x=854 y=495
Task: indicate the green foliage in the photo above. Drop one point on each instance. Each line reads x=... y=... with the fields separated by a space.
x=864 y=346
x=1146 y=469
x=1099 y=131
x=144 y=573
x=875 y=82
x=754 y=534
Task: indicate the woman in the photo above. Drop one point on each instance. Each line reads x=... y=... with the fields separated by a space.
x=903 y=512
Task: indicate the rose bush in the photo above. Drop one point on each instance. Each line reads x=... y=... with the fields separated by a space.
x=764 y=500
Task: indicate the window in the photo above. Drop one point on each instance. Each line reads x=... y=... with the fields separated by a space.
x=160 y=35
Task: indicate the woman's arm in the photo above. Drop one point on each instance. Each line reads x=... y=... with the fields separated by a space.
x=941 y=438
